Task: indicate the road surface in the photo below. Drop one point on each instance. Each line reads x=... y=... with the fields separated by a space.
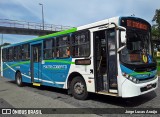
x=12 y=96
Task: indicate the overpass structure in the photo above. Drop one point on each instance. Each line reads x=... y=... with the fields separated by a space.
x=8 y=26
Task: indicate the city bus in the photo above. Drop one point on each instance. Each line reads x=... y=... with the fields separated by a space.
x=110 y=57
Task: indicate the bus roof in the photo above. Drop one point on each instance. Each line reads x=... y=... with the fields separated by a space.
x=114 y=19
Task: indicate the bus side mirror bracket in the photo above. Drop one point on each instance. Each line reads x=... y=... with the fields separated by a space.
x=121 y=48
x=123 y=39
x=158 y=47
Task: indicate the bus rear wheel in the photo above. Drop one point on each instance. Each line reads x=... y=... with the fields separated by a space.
x=78 y=88
x=19 y=79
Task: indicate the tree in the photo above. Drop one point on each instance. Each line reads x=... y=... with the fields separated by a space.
x=5 y=44
x=156 y=26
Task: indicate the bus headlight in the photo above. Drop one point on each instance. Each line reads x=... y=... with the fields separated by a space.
x=131 y=78
x=155 y=76
x=135 y=80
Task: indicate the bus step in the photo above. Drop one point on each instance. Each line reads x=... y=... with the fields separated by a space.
x=107 y=93
x=36 y=84
x=113 y=91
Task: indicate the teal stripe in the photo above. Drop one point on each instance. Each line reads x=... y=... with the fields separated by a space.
x=136 y=73
x=20 y=63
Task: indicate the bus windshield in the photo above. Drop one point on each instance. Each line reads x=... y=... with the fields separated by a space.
x=138 y=48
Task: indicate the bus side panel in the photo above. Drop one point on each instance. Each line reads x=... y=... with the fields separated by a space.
x=25 y=72
x=8 y=71
x=85 y=71
x=47 y=75
x=10 y=68
x=55 y=72
x=5 y=71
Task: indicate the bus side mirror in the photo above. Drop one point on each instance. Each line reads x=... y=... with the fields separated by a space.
x=123 y=41
x=123 y=37
x=158 y=47
x=122 y=31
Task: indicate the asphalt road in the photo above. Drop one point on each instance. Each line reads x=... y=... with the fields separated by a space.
x=12 y=96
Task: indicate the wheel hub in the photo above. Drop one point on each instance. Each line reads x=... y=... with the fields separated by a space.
x=79 y=88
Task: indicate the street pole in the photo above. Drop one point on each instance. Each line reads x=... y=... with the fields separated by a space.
x=0 y=53
x=2 y=40
x=42 y=15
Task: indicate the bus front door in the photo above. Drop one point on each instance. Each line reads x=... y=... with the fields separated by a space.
x=105 y=60
x=36 y=60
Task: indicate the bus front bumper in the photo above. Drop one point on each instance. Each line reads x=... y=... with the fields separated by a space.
x=130 y=89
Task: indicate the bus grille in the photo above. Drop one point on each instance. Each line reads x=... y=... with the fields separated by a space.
x=142 y=69
x=148 y=87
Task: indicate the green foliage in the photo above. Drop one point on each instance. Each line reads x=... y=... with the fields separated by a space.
x=156 y=26
x=155 y=32
x=5 y=44
x=156 y=17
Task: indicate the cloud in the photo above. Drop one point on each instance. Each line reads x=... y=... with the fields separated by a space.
x=79 y=12
x=16 y=11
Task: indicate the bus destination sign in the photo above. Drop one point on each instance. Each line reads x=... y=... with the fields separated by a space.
x=135 y=24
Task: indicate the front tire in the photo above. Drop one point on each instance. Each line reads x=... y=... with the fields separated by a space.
x=78 y=88
x=19 y=79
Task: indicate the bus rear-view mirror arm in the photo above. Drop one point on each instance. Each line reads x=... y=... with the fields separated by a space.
x=121 y=48
x=123 y=39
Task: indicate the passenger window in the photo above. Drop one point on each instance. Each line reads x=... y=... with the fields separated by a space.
x=49 y=49
x=63 y=46
x=80 y=44
x=10 y=54
x=4 y=55
x=17 y=53
x=25 y=52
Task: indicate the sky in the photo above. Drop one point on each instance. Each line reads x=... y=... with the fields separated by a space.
x=72 y=12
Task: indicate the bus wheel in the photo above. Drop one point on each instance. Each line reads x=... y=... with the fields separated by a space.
x=78 y=88
x=19 y=79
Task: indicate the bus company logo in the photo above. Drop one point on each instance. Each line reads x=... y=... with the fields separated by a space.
x=55 y=67
x=148 y=69
x=149 y=75
x=21 y=111
x=6 y=111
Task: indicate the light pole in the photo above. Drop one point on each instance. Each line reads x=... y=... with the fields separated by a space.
x=2 y=40
x=42 y=15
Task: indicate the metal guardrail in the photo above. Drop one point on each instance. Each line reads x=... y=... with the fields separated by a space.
x=31 y=25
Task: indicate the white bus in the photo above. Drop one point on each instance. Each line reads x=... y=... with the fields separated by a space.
x=111 y=57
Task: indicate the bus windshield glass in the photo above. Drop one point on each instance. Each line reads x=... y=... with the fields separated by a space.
x=138 y=48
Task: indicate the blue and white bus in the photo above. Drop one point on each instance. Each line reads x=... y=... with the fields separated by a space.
x=110 y=57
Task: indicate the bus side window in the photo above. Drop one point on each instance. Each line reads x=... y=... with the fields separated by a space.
x=11 y=54
x=53 y=54
x=57 y=53
x=48 y=49
x=25 y=51
x=80 y=44
x=62 y=46
x=4 y=55
x=68 y=51
x=34 y=55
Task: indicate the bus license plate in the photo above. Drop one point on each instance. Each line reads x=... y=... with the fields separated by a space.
x=149 y=86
